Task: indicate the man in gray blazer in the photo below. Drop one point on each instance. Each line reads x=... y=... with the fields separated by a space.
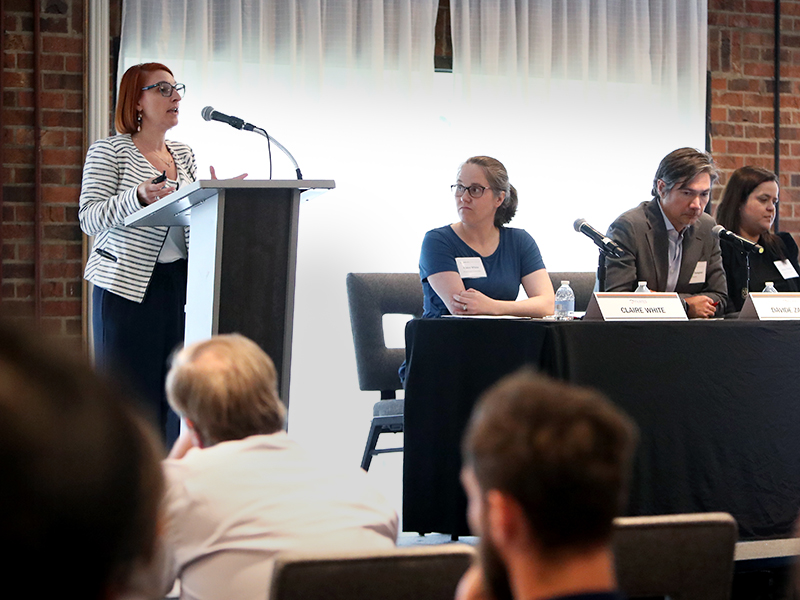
x=668 y=240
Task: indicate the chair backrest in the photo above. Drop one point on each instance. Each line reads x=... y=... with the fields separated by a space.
x=370 y=296
x=685 y=557
x=582 y=283
x=422 y=573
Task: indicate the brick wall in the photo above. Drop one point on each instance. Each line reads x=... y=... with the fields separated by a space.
x=62 y=150
x=741 y=50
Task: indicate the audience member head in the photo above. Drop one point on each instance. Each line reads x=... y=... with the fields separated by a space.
x=81 y=475
x=497 y=176
x=226 y=388
x=130 y=90
x=749 y=202
x=546 y=469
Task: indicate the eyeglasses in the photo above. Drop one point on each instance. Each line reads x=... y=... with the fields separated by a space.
x=167 y=88
x=475 y=190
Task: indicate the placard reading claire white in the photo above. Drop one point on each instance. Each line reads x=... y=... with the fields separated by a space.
x=655 y=306
x=784 y=306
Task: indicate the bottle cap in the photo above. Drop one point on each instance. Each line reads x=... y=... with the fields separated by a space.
x=564 y=282
x=641 y=283
x=768 y=283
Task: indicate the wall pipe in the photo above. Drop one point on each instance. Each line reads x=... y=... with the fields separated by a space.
x=776 y=109
x=37 y=141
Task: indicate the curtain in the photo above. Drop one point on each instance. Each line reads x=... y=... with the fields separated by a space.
x=648 y=42
x=312 y=41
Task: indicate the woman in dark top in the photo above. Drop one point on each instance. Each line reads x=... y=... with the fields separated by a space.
x=748 y=209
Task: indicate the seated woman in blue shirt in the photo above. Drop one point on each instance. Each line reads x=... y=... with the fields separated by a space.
x=476 y=265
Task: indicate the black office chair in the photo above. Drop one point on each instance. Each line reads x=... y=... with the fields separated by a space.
x=582 y=283
x=686 y=557
x=422 y=573
x=370 y=296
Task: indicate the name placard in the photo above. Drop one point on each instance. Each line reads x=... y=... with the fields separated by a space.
x=654 y=306
x=784 y=306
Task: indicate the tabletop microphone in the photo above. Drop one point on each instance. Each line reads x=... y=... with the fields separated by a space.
x=209 y=114
x=745 y=244
x=605 y=243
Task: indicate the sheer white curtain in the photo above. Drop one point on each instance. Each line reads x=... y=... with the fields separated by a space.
x=582 y=99
x=579 y=98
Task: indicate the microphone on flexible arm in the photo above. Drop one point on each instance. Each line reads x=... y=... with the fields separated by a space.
x=743 y=243
x=607 y=246
x=209 y=114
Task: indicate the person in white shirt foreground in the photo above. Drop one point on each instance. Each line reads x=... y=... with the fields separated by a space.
x=239 y=491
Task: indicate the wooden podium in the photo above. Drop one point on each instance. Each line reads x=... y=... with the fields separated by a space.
x=242 y=258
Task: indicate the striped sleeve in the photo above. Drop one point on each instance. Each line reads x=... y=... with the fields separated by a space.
x=108 y=194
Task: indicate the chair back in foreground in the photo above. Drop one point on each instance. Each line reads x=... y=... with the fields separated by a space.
x=418 y=573
x=370 y=296
x=683 y=557
x=582 y=283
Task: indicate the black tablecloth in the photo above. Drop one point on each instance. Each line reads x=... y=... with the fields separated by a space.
x=715 y=403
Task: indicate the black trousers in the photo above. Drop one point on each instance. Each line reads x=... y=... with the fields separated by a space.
x=133 y=341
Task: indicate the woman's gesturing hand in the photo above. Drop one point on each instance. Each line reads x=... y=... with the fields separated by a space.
x=149 y=192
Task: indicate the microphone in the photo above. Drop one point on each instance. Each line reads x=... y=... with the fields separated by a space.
x=608 y=246
x=745 y=244
x=209 y=114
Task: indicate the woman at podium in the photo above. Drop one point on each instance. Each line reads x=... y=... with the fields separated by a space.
x=476 y=265
x=139 y=274
x=747 y=208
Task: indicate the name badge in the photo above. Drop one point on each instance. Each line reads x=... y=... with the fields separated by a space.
x=470 y=267
x=699 y=275
x=655 y=306
x=786 y=269
x=771 y=307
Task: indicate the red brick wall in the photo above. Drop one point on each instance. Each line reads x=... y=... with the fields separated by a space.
x=740 y=53
x=62 y=148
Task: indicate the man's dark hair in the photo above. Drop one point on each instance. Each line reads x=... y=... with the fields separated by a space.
x=682 y=165
x=563 y=452
x=80 y=472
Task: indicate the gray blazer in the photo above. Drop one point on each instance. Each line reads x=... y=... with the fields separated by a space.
x=643 y=234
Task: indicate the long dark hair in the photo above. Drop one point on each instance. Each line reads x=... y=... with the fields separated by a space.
x=738 y=189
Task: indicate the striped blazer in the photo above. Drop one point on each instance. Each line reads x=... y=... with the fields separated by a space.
x=123 y=258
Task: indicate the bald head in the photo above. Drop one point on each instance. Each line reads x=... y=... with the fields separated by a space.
x=227 y=387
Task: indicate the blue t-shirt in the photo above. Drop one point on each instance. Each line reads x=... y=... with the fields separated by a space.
x=517 y=255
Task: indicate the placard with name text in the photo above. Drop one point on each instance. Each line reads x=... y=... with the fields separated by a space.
x=653 y=306
x=784 y=306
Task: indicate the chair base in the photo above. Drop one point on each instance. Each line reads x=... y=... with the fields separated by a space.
x=387 y=424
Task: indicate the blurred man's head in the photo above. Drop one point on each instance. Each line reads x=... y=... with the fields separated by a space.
x=80 y=472
x=546 y=469
x=227 y=388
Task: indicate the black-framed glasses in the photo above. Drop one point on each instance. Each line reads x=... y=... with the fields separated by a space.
x=475 y=190
x=166 y=88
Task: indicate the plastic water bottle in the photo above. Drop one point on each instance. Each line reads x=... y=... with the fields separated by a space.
x=769 y=288
x=565 y=302
x=642 y=289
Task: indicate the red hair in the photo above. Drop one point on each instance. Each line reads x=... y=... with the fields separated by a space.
x=130 y=89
